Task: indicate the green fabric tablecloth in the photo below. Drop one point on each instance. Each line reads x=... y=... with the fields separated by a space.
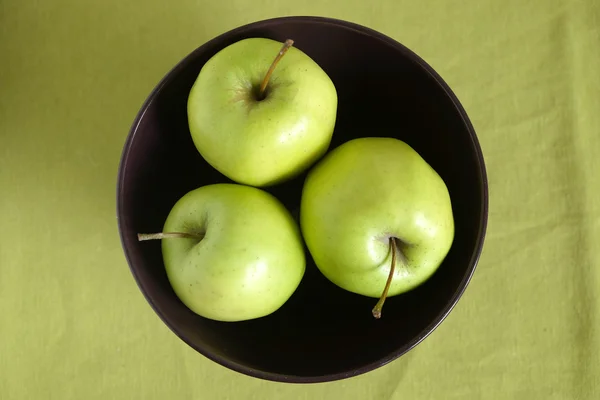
x=73 y=324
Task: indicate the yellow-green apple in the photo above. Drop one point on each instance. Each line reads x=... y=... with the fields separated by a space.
x=261 y=121
x=376 y=217
x=231 y=252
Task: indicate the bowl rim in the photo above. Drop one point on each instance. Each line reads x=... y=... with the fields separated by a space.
x=483 y=217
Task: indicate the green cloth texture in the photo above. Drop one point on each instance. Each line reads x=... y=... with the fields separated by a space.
x=74 y=73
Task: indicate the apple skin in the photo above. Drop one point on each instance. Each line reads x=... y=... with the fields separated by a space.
x=261 y=143
x=250 y=261
x=361 y=194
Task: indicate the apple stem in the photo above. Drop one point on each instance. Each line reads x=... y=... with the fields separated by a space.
x=377 y=309
x=167 y=235
x=263 y=86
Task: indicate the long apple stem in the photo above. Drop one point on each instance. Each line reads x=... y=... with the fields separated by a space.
x=377 y=309
x=167 y=235
x=263 y=86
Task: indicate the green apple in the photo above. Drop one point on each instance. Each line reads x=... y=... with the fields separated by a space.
x=261 y=121
x=376 y=217
x=231 y=252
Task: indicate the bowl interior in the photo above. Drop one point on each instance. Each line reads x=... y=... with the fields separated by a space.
x=322 y=332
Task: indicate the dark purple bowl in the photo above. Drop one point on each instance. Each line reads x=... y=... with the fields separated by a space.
x=322 y=333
